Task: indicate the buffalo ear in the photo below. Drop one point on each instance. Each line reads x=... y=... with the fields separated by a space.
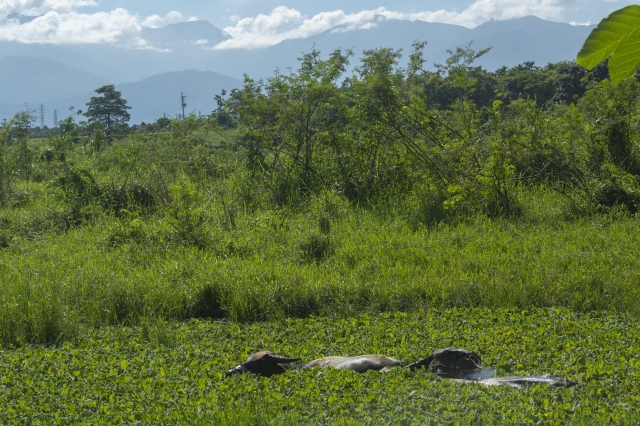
x=424 y=362
x=280 y=359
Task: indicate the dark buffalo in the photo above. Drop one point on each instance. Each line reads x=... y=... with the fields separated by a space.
x=263 y=363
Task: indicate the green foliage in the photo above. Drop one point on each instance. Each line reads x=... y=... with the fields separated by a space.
x=616 y=36
x=187 y=214
x=98 y=139
x=80 y=192
x=18 y=131
x=183 y=129
x=172 y=373
x=457 y=79
x=317 y=247
x=223 y=115
x=560 y=83
x=288 y=134
x=335 y=194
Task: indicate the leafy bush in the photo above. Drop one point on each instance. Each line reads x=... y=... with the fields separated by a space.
x=187 y=215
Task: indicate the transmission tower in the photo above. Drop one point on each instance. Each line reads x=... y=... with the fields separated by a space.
x=41 y=116
x=183 y=101
x=55 y=118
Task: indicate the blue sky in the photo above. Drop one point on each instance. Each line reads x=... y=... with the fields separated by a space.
x=260 y=23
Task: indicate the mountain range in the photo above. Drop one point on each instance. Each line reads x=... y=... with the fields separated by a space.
x=183 y=59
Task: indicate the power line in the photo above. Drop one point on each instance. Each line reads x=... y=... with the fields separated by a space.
x=183 y=100
x=41 y=116
x=55 y=118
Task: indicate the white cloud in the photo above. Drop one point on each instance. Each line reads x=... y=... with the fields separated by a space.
x=578 y=24
x=39 y=7
x=73 y=28
x=118 y=27
x=155 y=21
x=284 y=23
x=483 y=10
x=201 y=41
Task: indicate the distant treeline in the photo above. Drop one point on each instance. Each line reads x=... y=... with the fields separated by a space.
x=460 y=140
x=556 y=83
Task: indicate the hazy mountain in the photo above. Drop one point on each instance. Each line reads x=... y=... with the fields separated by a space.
x=70 y=56
x=188 y=46
x=513 y=42
x=149 y=98
x=24 y=79
x=527 y=39
x=160 y=94
x=393 y=33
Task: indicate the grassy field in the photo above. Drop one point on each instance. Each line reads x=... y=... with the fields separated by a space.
x=280 y=264
x=172 y=372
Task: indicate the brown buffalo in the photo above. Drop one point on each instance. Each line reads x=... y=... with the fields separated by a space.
x=358 y=364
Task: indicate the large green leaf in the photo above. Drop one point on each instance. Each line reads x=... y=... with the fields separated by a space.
x=614 y=34
x=626 y=59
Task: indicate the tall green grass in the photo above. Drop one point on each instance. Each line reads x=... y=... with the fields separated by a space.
x=330 y=258
x=156 y=226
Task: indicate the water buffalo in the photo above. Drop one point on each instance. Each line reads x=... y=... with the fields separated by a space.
x=460 y=365
x=263 y=363
x=465 y=366
x=267 y=364
x=358 y=364
x=450 y=363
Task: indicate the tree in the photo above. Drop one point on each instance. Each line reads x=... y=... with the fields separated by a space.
x=289 y=122
x=456 y=80
x=109 y=109
x=19 y=127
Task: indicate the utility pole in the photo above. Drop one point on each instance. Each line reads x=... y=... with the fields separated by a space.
x=183 y=100
x=41 y=116
x=55 y=118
